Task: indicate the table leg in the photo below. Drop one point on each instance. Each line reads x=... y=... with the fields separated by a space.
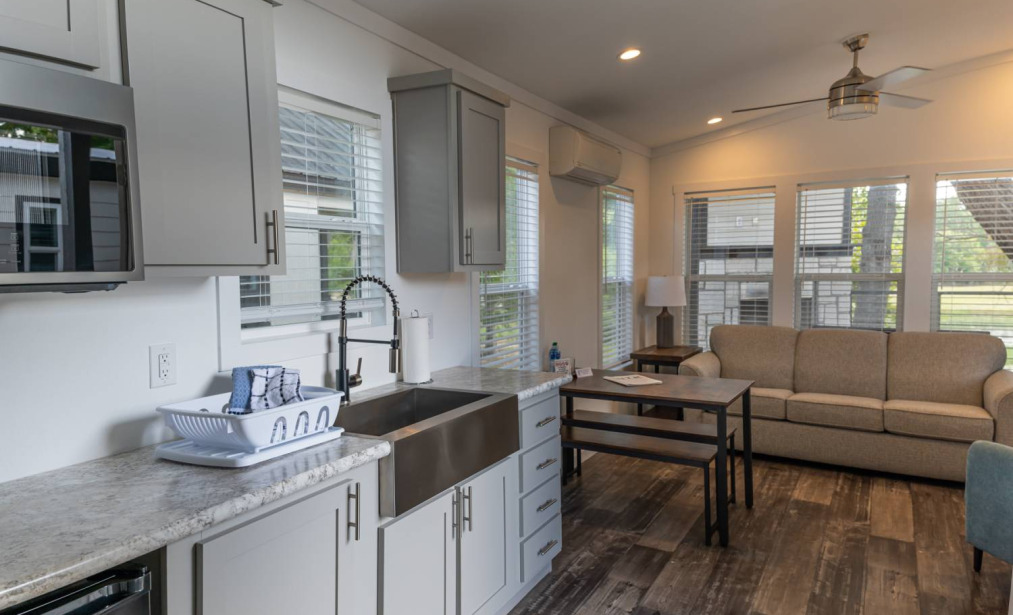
x=637 y=365
x=721 y=480
x=568 y=453
x=747 y=446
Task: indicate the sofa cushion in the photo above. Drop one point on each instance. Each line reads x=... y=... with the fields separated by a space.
x=763 y=403
x=948 y=368
x=845 y=411
x=841 y=362
x=957 y=422
x=765 y=355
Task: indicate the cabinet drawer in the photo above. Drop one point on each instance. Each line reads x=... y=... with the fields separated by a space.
x=541 y=462
x=537 y=552
x=540 y=505
x=539 y=422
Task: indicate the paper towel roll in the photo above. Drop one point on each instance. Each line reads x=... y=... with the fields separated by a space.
x=415 y=350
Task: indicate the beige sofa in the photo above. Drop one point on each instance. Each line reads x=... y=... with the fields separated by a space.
x=906 y=402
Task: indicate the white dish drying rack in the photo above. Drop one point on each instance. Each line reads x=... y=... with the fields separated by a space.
x=215 y=437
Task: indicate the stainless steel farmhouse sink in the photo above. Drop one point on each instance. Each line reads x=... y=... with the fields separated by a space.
x=438 y=438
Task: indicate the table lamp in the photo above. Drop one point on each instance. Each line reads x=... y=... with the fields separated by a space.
x=664 y=292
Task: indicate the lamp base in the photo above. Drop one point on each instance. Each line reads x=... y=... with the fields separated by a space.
x=665 y=329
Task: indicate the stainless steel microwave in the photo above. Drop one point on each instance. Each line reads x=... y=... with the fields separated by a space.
x=69 y=215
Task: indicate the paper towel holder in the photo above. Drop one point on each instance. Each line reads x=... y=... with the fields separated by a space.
x=414 y=315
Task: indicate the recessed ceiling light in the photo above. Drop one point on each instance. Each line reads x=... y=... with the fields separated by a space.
x=629 y=54
x=715 y=120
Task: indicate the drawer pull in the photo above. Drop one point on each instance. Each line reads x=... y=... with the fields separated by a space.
x=546 y=505
x=545 y=421
x=546 y=463
x=548 y=547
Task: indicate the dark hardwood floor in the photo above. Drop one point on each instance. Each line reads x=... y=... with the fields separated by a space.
x=819 y=540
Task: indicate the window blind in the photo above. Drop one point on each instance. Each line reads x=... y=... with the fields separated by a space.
x=333 y=198
x=729 y=260
x=508 y=299
x=972 y=269
x=617 y=275
x=849 y=266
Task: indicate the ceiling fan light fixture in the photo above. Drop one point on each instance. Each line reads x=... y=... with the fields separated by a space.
x=851 y=110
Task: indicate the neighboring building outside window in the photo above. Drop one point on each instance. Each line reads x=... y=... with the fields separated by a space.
x=616 y=275
x=849 y=266
x=729 y=260
x=508 y=298
x=333 y=200
x=972 y=279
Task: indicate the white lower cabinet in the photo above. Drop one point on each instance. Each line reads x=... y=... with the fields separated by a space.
x=310 y=554
x=456 y=555
x=418 y=552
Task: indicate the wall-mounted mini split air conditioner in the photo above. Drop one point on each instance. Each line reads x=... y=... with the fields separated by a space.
x=576 y=155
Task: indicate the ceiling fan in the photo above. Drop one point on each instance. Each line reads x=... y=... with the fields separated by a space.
x=858 y=95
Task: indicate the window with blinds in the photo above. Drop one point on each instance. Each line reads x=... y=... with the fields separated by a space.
x=333 y=198
x=973 y=272
x=729 y=260
x=508 y=299
x=849 y=258
x=616 y=275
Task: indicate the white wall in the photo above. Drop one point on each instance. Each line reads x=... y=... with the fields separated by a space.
x=967 y=128
x=74 y=368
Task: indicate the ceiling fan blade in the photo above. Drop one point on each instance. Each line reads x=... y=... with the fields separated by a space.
x=797 y=102
x=897 y=75
x=905 y=102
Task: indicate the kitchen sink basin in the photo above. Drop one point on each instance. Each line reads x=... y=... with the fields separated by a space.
x=438 y=437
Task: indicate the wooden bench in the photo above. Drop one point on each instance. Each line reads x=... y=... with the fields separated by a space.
x=669 y=429
x=693 y=454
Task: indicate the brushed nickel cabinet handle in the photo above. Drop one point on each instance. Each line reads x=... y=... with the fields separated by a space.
x=467 y=516
x=545 y=421
x=546 y=505
x=358 y=512
x=468 y=257
x=548 y=547
x=273 y=223
x=453 y=517
x=546 y=463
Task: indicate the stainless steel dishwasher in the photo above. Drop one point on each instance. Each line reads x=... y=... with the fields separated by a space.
x=120 y=591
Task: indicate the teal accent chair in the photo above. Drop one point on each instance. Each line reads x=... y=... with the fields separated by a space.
x=988 y=500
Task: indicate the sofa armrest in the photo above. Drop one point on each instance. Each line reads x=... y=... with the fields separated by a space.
x=704 y=365
x=988 y=497
x=999 y=403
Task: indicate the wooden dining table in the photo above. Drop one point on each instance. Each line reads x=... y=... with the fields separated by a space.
x=714 y=395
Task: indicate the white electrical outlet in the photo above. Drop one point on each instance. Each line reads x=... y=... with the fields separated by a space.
x=162 y=362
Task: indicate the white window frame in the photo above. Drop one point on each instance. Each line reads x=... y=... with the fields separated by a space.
x=527 y=289
x=238 y=346
x=803 y=277
x=623 y=358
x=741 y=278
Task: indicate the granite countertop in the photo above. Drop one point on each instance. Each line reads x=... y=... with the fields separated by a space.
x=524 y=384
x=61 y=526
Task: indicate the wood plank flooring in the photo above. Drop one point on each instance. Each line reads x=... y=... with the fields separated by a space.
x=819 y=540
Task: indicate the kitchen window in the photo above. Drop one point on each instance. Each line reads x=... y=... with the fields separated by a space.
x=729 y=260
x=616 y=275
x=972 y=280
x=508 y=298
x=849 y=266
x=333 y=200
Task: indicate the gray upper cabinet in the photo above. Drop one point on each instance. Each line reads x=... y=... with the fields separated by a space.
x=66 y=31
x=449 y=166
x=208 y=144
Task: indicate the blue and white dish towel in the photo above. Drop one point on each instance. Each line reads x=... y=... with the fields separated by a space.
x=263 y=387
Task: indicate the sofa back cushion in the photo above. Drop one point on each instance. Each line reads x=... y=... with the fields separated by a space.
x=841 y=362
x=765 y=355
x=949 y=368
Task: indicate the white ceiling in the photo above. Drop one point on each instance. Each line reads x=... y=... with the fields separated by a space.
x=701 y=57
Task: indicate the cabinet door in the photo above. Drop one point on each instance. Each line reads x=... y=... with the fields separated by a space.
x=207 y=132
x=62 y=30
x=482 y=177
x=285 y=562
x=488 y=538
x=418 y=555
x=357 y=543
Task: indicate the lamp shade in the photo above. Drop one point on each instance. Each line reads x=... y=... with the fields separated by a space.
x=666 y=291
